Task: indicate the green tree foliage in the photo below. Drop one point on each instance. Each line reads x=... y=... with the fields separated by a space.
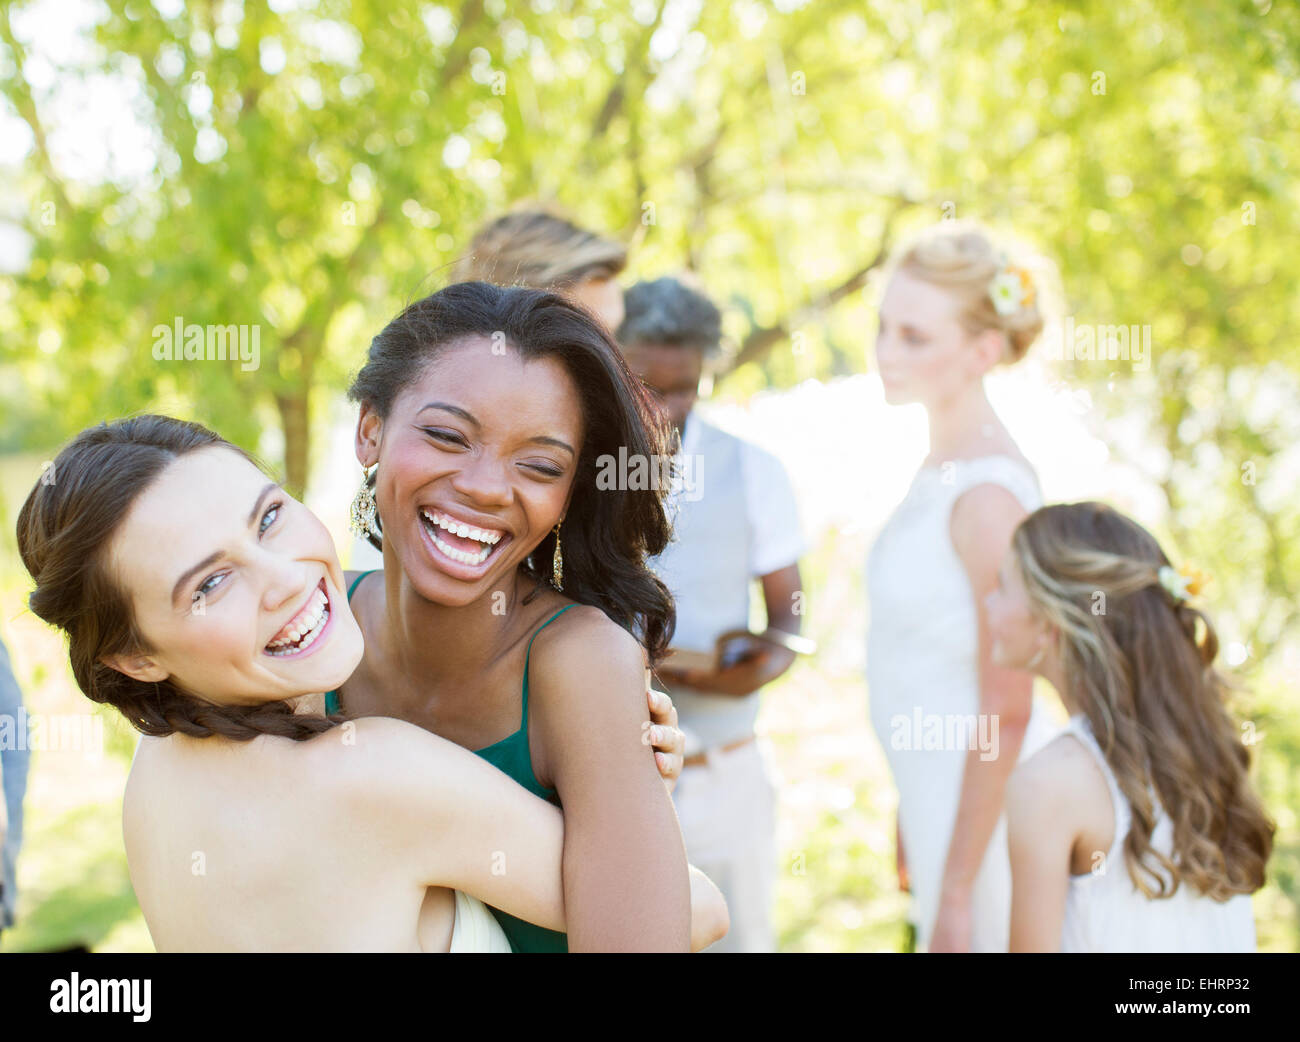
x=315 y=166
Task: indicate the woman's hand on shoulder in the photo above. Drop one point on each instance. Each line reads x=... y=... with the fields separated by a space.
x=660 y=732
x=664 y=736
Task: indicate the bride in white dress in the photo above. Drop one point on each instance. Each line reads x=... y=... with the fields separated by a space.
x=952 y=724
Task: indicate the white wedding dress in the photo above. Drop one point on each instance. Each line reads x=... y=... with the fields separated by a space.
x=922 y=676
x=475 y=928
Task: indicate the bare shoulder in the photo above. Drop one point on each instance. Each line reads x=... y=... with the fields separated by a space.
x=140 y=779
x=370 y=759
x=1089 y=793
x=584 y=654
x=586 y=630
x=983 y=511
x=1045 y=790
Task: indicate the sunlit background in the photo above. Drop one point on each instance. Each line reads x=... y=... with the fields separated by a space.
x=309 y=168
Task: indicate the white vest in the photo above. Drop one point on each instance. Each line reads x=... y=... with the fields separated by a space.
x=706 y=566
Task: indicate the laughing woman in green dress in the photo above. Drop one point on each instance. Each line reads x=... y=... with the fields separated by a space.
x=514 y=614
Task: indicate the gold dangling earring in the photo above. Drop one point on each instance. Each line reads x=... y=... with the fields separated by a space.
x=363 y=515
x=557 y=562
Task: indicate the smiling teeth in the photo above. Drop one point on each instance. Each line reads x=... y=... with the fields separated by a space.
x=479 y=535
x=461 y=555
x=302 y=630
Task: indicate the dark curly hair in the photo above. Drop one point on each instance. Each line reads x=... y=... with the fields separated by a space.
x=64 y=530
x=608 y=533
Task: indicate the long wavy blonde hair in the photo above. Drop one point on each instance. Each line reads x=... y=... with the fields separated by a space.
x=1139 y=665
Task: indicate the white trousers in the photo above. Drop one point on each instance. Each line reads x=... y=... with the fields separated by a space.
x=727 y=811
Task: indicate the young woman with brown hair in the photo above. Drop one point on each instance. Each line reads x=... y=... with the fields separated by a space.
x=1137 y=830
x=207 y=606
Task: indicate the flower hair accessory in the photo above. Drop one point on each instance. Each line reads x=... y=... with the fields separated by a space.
x=1183 y=582
x=1012 y=288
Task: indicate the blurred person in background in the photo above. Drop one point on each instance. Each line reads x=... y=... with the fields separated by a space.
x=735 y=519
x=1138 y=828
x=14 y=759
x=953 y=308
x=542 y=250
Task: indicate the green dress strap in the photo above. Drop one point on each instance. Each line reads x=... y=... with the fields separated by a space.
x=512 y=756
x=528 y=654
x=353 y=588
x=332 y=697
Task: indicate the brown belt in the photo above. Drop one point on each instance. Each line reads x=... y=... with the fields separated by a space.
x=700 y=759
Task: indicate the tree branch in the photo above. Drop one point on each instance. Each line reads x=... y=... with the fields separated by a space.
x=617 y=95
x=470 y=14
x=21 y=96
x=762 y=338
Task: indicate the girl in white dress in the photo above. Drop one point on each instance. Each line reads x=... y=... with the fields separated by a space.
x=1137 y=829
x=952 y=724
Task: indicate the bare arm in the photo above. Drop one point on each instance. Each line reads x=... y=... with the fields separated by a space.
x=710 y=919
x=982 y=522
x=664 y=737
x=453 y=818
x=626 y=883
x=1040 y=835
x=780 y=592
x=782 y=597
x=461 y=823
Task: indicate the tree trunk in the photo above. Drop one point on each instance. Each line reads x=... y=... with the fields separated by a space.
x=295 y=421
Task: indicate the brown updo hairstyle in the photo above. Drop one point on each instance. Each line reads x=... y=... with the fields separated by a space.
x=64 y=531
x=963 y=259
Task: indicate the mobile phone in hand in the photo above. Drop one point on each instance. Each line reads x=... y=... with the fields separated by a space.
x=735 y=650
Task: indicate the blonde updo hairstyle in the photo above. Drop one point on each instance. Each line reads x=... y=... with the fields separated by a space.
x=962 y=258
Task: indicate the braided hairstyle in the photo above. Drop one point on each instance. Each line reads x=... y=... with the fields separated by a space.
x=64 y=531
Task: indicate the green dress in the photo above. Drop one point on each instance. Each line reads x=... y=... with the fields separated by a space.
x=510 y=755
